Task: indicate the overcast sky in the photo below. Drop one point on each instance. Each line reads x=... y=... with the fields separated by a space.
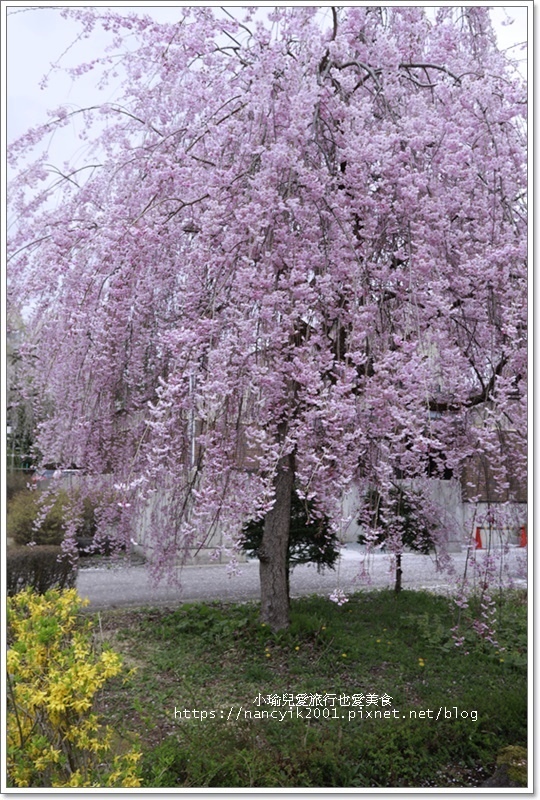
x=37 y=37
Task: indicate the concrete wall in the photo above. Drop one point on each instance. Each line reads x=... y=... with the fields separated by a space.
x=460 y=518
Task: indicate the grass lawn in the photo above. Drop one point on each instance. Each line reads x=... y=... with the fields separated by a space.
x=221 y=660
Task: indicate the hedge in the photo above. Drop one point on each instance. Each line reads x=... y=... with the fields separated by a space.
x=39 y=567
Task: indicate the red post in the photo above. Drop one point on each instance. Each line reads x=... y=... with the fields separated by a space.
x=478 y=539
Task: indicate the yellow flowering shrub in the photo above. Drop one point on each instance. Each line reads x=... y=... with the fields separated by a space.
x=54 y=738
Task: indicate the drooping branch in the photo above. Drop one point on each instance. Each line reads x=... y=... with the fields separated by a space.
x=475 y=399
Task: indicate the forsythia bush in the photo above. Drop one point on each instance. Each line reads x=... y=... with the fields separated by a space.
x=54 y=738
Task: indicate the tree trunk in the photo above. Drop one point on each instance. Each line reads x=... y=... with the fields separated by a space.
x=273 y=560
x=399 y=573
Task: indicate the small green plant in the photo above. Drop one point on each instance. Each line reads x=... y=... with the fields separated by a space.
x=166 y=764
x=54 y=738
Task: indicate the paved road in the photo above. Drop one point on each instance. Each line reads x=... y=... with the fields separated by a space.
x=116 y=587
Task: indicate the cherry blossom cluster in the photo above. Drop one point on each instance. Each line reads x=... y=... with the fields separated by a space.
x=304 y=238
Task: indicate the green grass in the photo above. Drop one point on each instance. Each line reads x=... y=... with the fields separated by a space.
x=220 y=658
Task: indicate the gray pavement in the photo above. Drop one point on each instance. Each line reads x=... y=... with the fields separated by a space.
x=109 y=586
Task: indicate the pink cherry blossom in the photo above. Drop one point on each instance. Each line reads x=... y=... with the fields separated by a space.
x=295 y=250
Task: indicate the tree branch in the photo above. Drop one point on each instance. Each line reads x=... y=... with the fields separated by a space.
x=441 y=406
x=431 y=66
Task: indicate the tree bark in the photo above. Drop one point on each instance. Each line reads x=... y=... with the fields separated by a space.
x=273 y=562
x=399 y=573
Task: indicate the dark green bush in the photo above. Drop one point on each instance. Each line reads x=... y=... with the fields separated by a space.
x=16 y=482
x=40 y=567
x=24 y=508
x=400 y=515
x=310 y=538
x=406 y=515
